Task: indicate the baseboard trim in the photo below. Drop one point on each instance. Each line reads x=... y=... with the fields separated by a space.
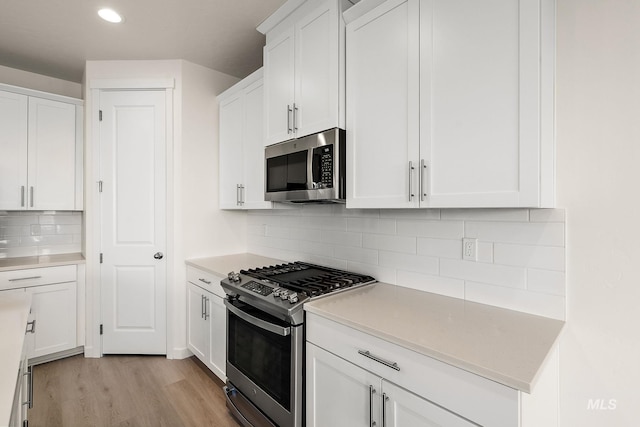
x=55 y=356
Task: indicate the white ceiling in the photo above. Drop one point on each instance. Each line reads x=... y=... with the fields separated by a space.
x=56 y=37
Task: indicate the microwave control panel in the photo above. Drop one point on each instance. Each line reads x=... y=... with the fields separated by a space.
x=323 y=166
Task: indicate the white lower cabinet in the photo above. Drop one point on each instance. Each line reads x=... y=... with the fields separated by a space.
x=356 y=379
x=340 y=393
x=206 y=320
x=53 y=308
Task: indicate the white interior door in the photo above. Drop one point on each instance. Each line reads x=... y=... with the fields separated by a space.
x=133 y=222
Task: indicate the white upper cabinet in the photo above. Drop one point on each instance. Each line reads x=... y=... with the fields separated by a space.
x=41 y=143
x=465 y=115
x=303 y=69
x=13 y=146
x=242 y=145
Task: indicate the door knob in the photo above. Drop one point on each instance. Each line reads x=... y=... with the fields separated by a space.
x=158 y=255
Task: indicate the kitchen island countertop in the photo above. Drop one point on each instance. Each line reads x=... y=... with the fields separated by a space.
x=14 y=311
x=505 y=346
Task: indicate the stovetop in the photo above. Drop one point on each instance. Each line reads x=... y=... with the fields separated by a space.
x=282 y=289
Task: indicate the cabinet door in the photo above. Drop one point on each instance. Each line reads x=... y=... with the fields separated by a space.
x=279 y=88
x=316 y=71
x=480 y=102
x=13 y=143
x=405 y=409
x=231 y=152
x=339 y=393
x=217 y=318
x=196 y=324
x=54 y=310
x=253 y=143
x=52 y=155
x=382 y=107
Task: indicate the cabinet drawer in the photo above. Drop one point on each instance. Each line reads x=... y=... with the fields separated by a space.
x=476 y=398
x=205 y=280
x=37 y=276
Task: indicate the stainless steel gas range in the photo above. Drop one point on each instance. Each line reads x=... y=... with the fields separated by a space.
x=265 y=338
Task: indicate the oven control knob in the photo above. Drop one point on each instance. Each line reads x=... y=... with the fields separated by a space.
x=234 y=277
x=284 y=294
x=276 y=292
x=293 y=298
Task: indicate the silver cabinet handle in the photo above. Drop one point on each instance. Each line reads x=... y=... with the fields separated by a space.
x=31 y=330
x=295 y=118
x=237 y=194
x=411 y=168
x=202 y=306
x=372 y=391
x=206 y=312
x=241 y=194
x=392 y=365
x=29 y=401
x=423 y=187
x=384 y=409
x=208 y=282
x=25 y=278
x=289 y=111
x=32 y=191
x=22 y=196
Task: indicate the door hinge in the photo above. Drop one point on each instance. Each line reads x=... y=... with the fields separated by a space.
x=100 y=115
x=100 y=329
x=100 y=258
x=100 y=186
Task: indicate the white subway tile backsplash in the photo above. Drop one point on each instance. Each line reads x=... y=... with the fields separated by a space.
x=486 y=214
x=485 y=252
x=342 y=238
x=384 y=242
x=362 y=255
x=39 y=233
x=547 y=215
x=444 y=248
x=433 y=229
x=516 y=299
x=418 y=263
x=545 y=234
x=372 y=225
x=546 y=281
x=420 y=214
x=544 y=257
x=502 y=275
x=381 y=274
x=520 y=251
x=431 y=283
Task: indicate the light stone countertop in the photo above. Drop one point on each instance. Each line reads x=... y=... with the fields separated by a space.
x=505 y=346
x=14 y=311
x=222 y=265
x=22 y=263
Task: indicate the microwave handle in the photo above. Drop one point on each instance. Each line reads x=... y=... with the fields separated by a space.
x=276 y=329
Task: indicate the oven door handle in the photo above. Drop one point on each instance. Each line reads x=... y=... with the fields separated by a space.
x=276 y=329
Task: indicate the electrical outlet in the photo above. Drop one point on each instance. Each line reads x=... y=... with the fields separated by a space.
x=470 y=249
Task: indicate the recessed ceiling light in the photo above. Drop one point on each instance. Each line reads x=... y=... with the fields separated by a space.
x=110 y=15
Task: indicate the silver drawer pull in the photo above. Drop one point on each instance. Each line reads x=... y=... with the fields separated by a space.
x=31 y=330
x=25 y=278
x=208 y=282
x=392 y=365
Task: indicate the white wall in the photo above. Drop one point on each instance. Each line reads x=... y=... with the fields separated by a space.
x=35 y=81
x=598 y=166
x=194 y=138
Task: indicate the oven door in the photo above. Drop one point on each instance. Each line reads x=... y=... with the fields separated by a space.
x=264 y=362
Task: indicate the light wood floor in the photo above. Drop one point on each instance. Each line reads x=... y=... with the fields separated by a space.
x=127 y=391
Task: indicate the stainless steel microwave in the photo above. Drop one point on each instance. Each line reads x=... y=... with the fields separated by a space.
x=307 y=170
